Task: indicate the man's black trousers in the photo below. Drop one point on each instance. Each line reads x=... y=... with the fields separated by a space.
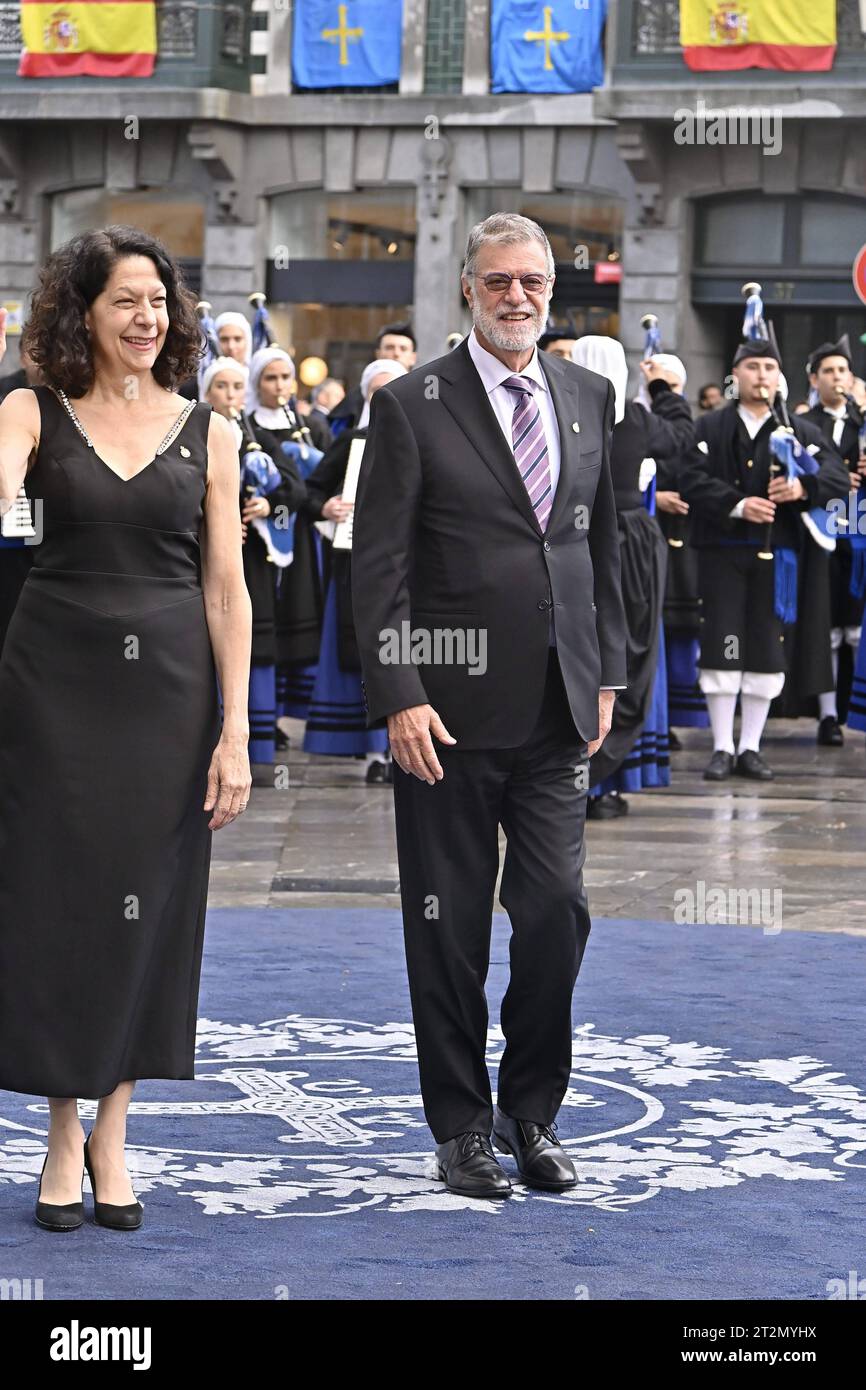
x=447 y=841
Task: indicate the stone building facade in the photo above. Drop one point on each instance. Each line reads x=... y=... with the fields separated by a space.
x=351 y=208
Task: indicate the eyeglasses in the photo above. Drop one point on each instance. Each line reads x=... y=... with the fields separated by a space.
x=499 y=283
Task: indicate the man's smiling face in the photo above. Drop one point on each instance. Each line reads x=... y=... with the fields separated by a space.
x=511 y=319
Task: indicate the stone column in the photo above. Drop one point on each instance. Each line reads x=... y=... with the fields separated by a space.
x=230 y=272
x=436 y=283
x=476 y=49
x=278 y=77
x=412 y=63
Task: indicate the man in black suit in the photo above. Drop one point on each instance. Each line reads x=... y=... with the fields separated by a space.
x=486 y=587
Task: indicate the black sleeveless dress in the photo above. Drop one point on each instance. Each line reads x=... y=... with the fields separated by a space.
x=109 y=716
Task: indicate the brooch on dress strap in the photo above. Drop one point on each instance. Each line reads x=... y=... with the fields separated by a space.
x=184 y=451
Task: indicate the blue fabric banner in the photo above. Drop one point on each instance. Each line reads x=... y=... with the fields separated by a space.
x=546 y=48
x=346 y=43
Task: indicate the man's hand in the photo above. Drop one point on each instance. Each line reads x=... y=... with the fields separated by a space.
x=672 y=502
x=335 y=509
x=759 y=509
x=412 y=748
x=255 y=506
x=605 y=715
x=780 y=490
x=654 y=372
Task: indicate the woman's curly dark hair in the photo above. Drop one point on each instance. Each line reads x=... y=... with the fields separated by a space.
x=56 y=336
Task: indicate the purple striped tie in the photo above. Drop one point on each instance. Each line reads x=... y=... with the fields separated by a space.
x=530 y=446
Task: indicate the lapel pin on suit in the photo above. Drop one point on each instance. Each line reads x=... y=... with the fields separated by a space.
x=575 y=426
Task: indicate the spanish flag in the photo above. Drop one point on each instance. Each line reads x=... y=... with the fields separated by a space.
x=794 y=35
x=88 y=38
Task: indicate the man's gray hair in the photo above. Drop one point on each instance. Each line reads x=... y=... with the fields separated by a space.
x=507 y=229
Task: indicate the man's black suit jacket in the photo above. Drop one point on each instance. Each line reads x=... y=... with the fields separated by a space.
x=445 y=538
x=711 y=483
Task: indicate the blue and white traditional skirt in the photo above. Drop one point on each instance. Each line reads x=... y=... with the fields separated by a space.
x=648 y=764
x=295 y=690
x=262 y=713
x=295 y=680
x=856 y=718
x=337 y=719
x=687 y=708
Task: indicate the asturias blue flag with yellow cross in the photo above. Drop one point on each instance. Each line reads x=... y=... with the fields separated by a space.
x=546 y=47
x=346 y=43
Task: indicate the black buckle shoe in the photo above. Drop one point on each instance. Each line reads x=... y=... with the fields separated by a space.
x=751 y=764
x=830 y=733
x=720 y=766
x=541 y=1159
x=54 y=1217
x=467 y=1165
x=111 y=1214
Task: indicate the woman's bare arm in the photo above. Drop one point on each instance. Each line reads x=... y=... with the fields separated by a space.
x=19 y=436
x=229 y=619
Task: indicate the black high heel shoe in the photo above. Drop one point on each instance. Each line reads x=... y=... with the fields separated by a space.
x=117 y=1218
x=53 y=1217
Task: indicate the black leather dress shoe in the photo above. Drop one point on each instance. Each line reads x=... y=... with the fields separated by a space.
x=720 y=766
x=53 y=1217
x=608 y=806
x=751 y=764
x=829 y=732
x=541 y=1159
x=379 y=771
x=467 y=1165
x=111 y=1214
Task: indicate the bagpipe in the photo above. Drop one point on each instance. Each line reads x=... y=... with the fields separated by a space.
x=649 y=468
x=204 y=313
x=788 y=457
x=857 y=583
x=260 y=477
x=299 y=447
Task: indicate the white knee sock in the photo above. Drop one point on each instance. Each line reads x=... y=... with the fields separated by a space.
x=827 y=704
x=721 y=708
x=754 y=710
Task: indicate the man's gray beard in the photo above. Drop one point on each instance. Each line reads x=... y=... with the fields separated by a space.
x=505 y=337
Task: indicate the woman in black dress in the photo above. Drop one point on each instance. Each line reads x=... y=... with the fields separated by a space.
x=113 y=764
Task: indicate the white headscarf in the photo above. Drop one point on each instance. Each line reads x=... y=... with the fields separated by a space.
x=668 y=363
x=237 y=321
x=605 y=356
x=271 y=417
x=369 y=374
x=213 y=369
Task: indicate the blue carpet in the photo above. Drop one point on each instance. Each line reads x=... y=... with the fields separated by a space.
x=716 y=1114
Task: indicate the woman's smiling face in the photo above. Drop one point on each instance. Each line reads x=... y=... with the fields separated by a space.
x=128 y=320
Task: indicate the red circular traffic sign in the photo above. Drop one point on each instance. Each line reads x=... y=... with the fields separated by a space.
x=860 y=273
